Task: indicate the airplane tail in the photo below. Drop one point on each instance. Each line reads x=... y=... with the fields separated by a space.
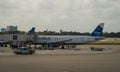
x=98 y=30
x=32 y=31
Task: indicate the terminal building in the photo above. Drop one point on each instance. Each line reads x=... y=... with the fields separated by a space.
x=14 y=37
x=11 y=28
x=15 y=40
x=3 y=30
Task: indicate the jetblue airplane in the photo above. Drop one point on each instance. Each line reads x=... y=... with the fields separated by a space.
x=56 y=40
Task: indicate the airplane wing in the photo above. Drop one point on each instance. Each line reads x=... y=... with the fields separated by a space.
x=58 y=43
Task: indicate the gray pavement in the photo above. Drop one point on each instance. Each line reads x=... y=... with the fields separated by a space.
x=57 y=62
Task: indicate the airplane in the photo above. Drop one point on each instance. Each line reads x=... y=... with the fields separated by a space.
x=57 y=41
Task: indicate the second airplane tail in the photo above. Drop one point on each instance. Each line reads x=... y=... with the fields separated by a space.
x=98 y=30
x=32 y=31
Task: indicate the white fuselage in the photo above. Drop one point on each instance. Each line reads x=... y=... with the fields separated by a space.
x=67 y=39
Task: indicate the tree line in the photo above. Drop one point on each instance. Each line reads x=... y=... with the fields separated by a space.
x=106 y=34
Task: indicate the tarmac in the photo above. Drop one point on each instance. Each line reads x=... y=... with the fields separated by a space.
x=81 y=59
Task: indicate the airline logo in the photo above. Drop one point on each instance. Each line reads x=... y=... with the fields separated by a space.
x=98 y=30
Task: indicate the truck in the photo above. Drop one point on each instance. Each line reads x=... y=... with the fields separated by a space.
x=24 y=51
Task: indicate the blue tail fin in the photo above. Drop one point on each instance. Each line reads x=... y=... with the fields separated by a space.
x=32 y=31
x=98 y=30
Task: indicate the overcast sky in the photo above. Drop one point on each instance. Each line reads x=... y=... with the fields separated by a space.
x=68 y=15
